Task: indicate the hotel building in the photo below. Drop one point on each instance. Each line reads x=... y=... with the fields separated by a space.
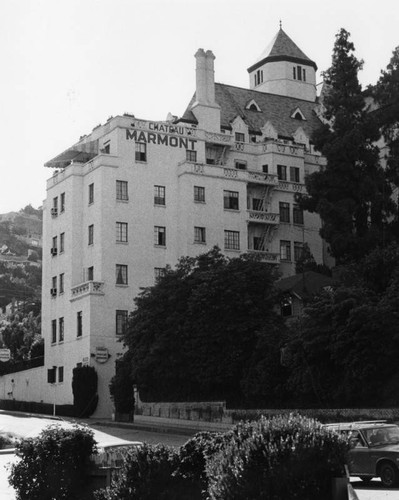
x=135 y=195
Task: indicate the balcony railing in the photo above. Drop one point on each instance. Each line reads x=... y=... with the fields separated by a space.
x=269 y=257
x=263 y=217
x=221 y=171
x=291 y=186
x=87 y=288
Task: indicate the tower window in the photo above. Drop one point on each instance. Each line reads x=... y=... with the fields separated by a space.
x=121 y=274
x=281 y=172
x=160 y=236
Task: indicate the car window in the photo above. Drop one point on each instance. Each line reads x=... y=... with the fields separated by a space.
x=356 y=440
x=382 y=436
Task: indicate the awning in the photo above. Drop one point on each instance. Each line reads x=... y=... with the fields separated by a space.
x=81 y=152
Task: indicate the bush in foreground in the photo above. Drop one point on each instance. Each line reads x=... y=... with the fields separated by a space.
x=53 y=466
x=287 y=457
x=284 y=457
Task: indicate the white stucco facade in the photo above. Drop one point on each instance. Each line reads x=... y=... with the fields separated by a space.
x=134 y=196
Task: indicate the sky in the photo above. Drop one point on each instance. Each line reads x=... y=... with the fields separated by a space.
x=68 y=66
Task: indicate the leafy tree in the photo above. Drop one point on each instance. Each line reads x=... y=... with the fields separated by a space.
x=351 y=194
x=19 y=332
x=344 y=350
x=193 y=334
x=306 y=262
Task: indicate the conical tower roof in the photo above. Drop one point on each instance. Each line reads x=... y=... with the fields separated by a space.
x=282 y=48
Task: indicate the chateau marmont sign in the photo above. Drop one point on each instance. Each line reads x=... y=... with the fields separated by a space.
x=174 y=136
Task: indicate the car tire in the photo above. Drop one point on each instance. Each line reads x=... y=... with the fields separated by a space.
x=389 y=475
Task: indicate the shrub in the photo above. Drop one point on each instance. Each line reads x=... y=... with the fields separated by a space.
x=149 y=473
x=121 y=387
x=53 y=466
x=84 y=388
x=193 y=456
x=284 y=457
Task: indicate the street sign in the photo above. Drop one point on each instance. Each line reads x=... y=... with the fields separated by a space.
x=5 y=355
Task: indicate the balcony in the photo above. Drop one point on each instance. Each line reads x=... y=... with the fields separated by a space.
x=223 y=172
x=293 y=187
x=87 y=288
x=268 y=257
x=262 y=217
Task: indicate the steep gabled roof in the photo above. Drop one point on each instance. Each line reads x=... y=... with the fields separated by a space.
x=282 y=48
x=274 y=108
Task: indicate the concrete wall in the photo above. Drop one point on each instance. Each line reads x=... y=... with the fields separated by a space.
x=28 y=385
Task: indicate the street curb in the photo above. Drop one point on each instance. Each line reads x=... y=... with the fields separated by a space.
x=183 y=431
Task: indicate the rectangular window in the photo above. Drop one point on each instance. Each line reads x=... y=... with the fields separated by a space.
x=61 y=329
x=90 y=273
x=141 y=151
x=239 y=137
x=159 y=236
x=159 y=195
x=79 y=324
x=121 y=232
x=121 y=322
x=159 y=272
x=61 y=283
x=257 y=204
x=304 y=75
x=297 y=214
x=53 y=331
x=294 y=174
x=62 y=242
x=199 y=194
x=298 y=250
x=284 y=212
x=121 y=190
x=285 y=250
x=258 y=243
x=91 y=234
x=294 y=72
x=107 y=148
x=232 y=240
x=55 y=204
x=282 y=172
x=54 y=286
x=191 y=155
x=60 y=374
x=230 y=200
x=199 y=235
x=54 y=246
x=265 y=169
x=91 y=194
x=62 y=202
x=121 y=274
x=240 y=165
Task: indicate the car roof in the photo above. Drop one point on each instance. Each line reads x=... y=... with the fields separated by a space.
x=364 y=424
x=31 y=427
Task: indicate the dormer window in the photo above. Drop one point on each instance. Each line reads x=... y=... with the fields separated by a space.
x=253 y=106
x=298 y=115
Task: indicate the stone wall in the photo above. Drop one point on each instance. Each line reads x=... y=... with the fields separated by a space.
x=216 y=411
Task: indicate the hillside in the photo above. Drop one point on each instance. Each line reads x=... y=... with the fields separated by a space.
x=21 y=235
x=20 y=256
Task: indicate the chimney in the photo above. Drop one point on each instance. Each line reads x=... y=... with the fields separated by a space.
x=201 y=77
x=210 y=77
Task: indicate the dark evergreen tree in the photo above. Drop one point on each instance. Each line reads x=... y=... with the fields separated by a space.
x=386 y=94
x=193 y=334
x=351 y=193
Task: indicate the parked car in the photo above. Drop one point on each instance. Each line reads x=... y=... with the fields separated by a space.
x=374 y=450
x=111 y=450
